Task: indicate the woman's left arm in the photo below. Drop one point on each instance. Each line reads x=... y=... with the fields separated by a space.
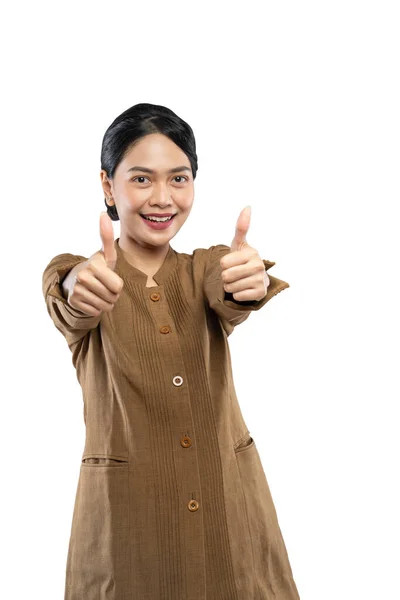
x=216 y=287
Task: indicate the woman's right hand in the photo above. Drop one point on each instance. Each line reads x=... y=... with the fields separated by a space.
x=92 y=286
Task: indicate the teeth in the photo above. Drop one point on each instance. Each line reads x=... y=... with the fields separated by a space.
x=158 y=219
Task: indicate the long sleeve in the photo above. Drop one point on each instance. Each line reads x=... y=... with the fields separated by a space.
x=72 y=323
x=232 y=312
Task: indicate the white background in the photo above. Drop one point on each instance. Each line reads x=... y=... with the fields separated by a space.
x=295 y=109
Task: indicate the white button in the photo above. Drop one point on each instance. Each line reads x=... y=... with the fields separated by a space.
x=177 y=380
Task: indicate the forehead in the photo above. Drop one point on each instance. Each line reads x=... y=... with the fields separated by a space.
x=155 y=151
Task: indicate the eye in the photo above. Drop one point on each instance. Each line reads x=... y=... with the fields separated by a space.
x=182 y=177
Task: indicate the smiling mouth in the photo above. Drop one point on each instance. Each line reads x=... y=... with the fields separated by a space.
x=159 y=219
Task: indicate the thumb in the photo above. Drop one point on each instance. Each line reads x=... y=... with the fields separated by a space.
x=242 y=227
x=107 y=239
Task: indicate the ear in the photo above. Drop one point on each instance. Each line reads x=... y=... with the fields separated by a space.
x=105 y=183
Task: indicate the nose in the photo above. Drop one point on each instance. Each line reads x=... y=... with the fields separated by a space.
x=161 y=195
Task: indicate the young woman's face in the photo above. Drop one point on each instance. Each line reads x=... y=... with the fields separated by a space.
x=154 y=177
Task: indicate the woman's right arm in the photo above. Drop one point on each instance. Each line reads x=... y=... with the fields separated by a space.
x=72 y=322
x=78 y=289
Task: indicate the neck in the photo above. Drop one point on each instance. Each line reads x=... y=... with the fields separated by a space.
x=146 y=258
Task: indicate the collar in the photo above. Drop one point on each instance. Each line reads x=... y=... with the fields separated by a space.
x=128 y=271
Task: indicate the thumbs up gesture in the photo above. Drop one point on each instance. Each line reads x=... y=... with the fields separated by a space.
x=243 y=271
x=92 y=286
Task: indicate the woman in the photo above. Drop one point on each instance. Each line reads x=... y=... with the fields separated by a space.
x=172 y=501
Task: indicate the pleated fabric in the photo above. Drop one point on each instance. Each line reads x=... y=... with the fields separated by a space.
x=172 y=501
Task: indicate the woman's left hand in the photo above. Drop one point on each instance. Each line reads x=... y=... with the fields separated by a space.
x=243 y=271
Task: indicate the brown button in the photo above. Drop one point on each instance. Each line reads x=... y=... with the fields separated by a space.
x=155 y=296
x=193 y=505
x=186 y=441
x=165 y=329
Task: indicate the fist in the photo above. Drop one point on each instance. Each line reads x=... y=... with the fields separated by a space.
x=243 y=272
x=92 y=285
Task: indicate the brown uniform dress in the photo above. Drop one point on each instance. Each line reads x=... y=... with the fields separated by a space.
x=172 y=502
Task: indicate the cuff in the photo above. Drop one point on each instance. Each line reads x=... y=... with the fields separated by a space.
x=275 y=286
x=55 y=286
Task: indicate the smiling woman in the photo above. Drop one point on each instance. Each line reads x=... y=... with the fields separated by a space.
x=172 y=500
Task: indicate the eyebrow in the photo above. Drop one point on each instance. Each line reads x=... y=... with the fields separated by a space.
x=146 y=170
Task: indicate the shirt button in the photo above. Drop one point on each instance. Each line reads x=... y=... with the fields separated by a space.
x=155 y=296
x=193 y=505
x=165 y=329
x=186 y=441
x=177 y=380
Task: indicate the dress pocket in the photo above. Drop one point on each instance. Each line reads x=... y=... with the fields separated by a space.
x=98 y=554
x=271 y=562
x=244 y=443
x=103 y=460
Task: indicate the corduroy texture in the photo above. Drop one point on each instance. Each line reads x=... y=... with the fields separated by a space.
x=172 y=501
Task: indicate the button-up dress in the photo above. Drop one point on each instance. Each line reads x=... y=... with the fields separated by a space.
x=172 y=502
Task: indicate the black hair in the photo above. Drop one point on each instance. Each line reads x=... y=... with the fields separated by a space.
x=135 y=123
